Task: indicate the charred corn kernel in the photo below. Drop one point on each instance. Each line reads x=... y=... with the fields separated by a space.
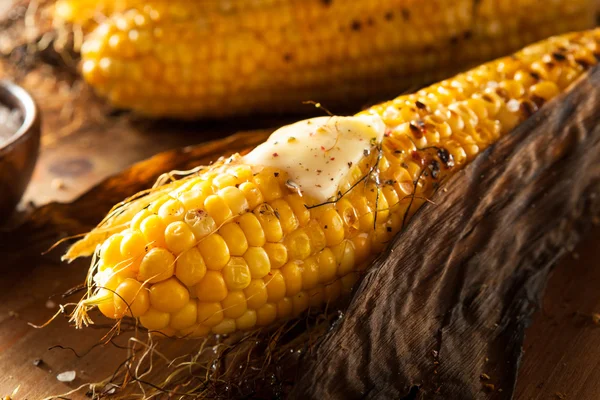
x=286 y=216
x=224 y=327
x=252 y=193
x=277 y=253
x=200 y=223
x=234 y=305
x=252 y=230
x=210 y=314
x=275 y=286
x=284 y=251
x=258 y=262
x=169 y=296
x=235 y=200
x=266 y=68
x=236 y=274
x=155 y=320
x=212 y=287
x=171 y=211
x=246 y=321
x=214 y=251
x=310 y=273
x=266 y=315
x=153 y=229
x=269 y=222
x=292 y=276
x=235 y=238
x=285 y=307
x=256 y=294
x=179 y=237
x=190 y=268
x=157 y=265
x=185 y=317
x=131 y=298
x=133 y=245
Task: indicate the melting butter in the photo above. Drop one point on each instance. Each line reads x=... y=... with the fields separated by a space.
x=318 y=153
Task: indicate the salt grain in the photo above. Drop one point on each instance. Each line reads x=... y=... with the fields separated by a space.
x=67 y=376
x=10 y=122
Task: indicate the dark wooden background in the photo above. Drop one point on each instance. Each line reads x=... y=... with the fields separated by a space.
x=83 y=143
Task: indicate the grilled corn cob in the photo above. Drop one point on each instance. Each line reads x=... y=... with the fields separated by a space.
x=255 y=239
x=208 y=59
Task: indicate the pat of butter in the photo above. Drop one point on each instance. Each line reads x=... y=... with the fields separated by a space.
x=318 y=153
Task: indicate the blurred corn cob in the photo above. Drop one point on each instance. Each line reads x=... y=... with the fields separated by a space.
x=190 y=59
x=234 y=246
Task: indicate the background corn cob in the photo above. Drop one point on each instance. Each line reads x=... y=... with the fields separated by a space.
x=204 y=59
x=230 y=248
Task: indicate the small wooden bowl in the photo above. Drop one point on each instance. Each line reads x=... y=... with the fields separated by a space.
x=19 y=153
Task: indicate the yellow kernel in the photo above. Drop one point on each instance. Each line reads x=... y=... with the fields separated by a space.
x=185 y=317
x=285 y=307
x=236 y=274
x=268 y=186
x=269 y=222
x=154 y=319
x=131 y=298
x=235 y=200
x=327 y=266
x=157 y=265
x=256 y=294
x=190 y=268
x=546 y=90
x=252 y=194
x=300 y=303
x=234 y=305
x=133 y=245
x=266 y=315
x=153 y=229
x=216 y=207
x=235 y=238
x=107 y=307
x=344 y=255
x=171 y=211
x=298 y=245
x=224 y=180
x=215 y=252
x=179 y=237
x=212 y=287
x=224 y=327
x=195 y=331
x=258 y=262
x=316 y=236
x=293 y=278
x=169 y=296
x=333 y=226
x=277 y=253
x=193 y=200
x=333 y=291
x=138 y=218
x=200 y=223
x=252 y=229
x=316 y=296
x=298 y=206
x=348 y=282
x=110 y=251
x=246 y=321
x=287 y=219
x=310 y=273
x=210 y=314
x=362 y=248
x=275 y=286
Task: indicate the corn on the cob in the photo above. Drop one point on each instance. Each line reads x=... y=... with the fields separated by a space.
x=238 y=246
x=204 y=59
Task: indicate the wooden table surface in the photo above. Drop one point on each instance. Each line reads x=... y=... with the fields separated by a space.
x=77 y=154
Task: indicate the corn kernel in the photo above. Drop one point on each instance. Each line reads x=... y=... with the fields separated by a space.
x=258 y=262
x=252 y=229
x=235 y=238
x=546 y=90
x=107 y=307
x=190 y=268
x=235 y=200
x=316 y=296
x=110 y=252
x=348 y=282
x=298 y=245
x=316 y=237
x=268 y=186
x=293 y=278
x=216 y=207
x=285 y=307
x=179 y=237
x=234 y=305
x=256 y=294
x=300 y=303
x=224 y=327
x=246 y=321
x=237 y=274
x=269 y=222
x=154 y=319
x=169 y=296
x=212 y=287
x=131 y=298
x=333 y=291
x=362 y=248
x=327 y=266
x=171 y=211
x=215 y=252
x=310 y=273
x=157 y=265
x=288 y=220
x=252 y=194
x=277 y=253
x=210 y=314
x=133 y=245
x=298 y=206
x=153 y=229
x=344 y=255
x=138 y=218
x=195 y=331
x=185 y=317
x=200 y=223
x=193 y=200
x=333 y=226
x=275 y=286
x=266 y=314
